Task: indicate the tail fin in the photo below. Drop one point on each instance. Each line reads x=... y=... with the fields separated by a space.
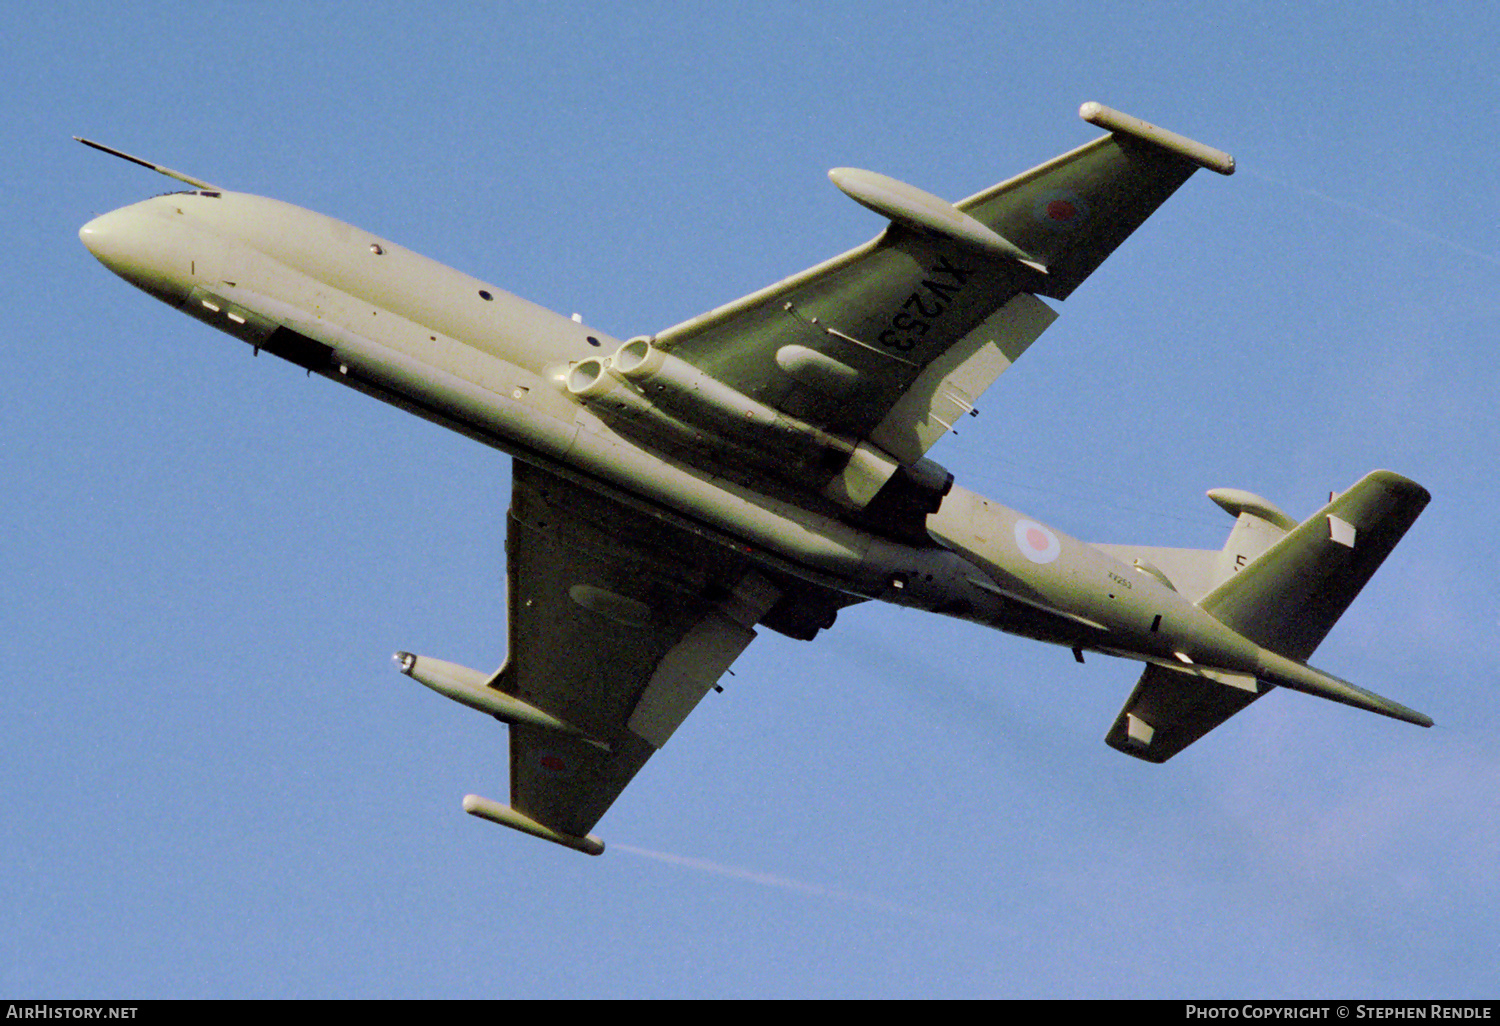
x=1288 y=598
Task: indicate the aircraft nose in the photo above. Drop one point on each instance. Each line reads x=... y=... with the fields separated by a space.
x=108 y=237
x=142 y=247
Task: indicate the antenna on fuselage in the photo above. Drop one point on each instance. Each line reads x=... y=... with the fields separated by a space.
x=159 y=169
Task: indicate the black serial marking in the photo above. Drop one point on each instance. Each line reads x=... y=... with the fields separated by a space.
x=930 y=301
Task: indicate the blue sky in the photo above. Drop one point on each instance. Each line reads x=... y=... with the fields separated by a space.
x=216 y=785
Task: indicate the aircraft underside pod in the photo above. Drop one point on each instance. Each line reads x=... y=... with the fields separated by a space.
x=915 y=208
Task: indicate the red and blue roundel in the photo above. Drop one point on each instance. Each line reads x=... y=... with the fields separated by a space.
x=1060 y=211
x=1036 y=542
x=552 y=763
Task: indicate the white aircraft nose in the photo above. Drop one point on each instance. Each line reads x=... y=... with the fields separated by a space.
x=109 y=237
x=96 y=234
x=141 y=247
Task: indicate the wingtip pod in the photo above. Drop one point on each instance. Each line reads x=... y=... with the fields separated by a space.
x=1123 y=124
x=493 y=811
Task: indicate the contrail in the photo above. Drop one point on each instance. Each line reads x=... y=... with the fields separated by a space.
x=1406 y=226
x=788 y=884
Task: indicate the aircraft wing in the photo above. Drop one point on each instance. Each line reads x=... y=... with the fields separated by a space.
x=894 y=340
x=619 y=623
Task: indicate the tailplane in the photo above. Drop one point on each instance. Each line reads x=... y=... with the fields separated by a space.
x=1282 y=585
x=1288 y=598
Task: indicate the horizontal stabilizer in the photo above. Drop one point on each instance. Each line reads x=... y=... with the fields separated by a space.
x=1170 y=709
x=1298 y=580
x=1288 y=598
x=1289 y=673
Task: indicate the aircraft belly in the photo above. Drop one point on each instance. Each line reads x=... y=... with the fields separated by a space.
x=454 y=384
x=825 y=546
x=428 y=339
x=459 y=382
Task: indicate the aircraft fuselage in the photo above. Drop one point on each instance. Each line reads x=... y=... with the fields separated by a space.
x=372 y=315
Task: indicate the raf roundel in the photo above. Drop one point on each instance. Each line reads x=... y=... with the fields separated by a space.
x=1036 y=542
x=1060 y=211
x=552 y=763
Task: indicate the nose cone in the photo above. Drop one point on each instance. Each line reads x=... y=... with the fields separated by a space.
x=143 y=248
x=106 y=238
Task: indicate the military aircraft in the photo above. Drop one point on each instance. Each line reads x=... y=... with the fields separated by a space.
x=765 y=463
